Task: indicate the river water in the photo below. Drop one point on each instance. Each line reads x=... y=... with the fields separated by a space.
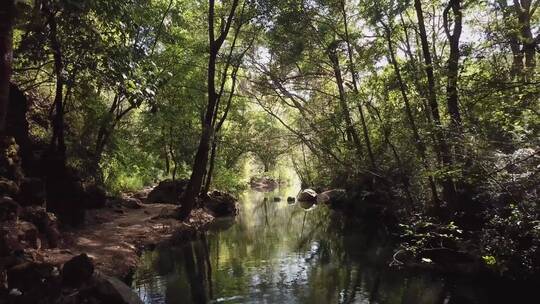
x=277 y=252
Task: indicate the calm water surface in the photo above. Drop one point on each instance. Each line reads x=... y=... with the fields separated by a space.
x=276 y=252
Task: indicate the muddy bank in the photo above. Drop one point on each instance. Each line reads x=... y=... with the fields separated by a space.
x=114 y=237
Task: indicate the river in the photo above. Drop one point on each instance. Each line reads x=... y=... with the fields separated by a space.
x=278 y=252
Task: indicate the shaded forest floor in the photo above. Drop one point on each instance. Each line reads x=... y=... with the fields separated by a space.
x=115 y=236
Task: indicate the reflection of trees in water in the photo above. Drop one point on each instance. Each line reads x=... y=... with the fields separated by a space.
x=286 y=254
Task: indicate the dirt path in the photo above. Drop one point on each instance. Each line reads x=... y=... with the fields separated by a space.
x=114 y=237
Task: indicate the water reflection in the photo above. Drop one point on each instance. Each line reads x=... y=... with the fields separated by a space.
x=275 y=252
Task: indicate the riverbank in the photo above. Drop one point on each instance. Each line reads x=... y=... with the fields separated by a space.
x=115 y=236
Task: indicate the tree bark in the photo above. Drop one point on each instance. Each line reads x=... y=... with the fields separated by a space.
x=351 y=130
x=7 y=15
x=201 y=157
x=453 y=64
x=58 y=145
x=355 y=87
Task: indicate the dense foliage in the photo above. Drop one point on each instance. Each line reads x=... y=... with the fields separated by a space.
x=430 y=107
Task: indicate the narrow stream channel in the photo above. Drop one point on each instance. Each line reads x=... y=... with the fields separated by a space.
x=277 y=252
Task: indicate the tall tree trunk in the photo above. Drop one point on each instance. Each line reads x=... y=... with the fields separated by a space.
x=443 y=149
x=355 y=87
x=7 y=15
x=201 y=158
x=419 y=143
x=351 y=130
x=58 y=145
x=453 y=63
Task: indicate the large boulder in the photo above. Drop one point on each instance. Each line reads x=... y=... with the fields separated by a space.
x=167 y=192
x=32 y=192
x=33 y=282
x=111 y=290
x=9 y=209
x=46 y=223
x=220 y=203
x=334 y=197
x=8 y=187
x=95 y=196
x=77 y=271
x=307 y=195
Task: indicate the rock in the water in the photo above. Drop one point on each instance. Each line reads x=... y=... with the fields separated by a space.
x=277 y=199
x=307 y=195
x=9 y=209
x=263 y=184
x=77 y=270
x=306 y=204
x=220 y=203
x=111 y=290
x=291 y=199
x=32 y=192
x=167 y=192
x=334 y=197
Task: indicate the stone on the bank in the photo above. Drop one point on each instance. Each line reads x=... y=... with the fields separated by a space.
x=220 y=203
x=77 y=270
x=46 y=223
x=9 y=209
x=307 y=195
x=167 y=192
x=8 y=187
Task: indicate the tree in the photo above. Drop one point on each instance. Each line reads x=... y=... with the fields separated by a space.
x=7 y=14
x=201 y=157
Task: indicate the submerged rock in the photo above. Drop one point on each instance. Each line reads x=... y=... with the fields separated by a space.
x=167 y=192
x=220 y=203
x=307 y=195
x=291 y=199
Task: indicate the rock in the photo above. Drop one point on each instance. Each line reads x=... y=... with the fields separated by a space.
x=95 y=196
x=306 y=204
x=9 y=240
x=220 y=203
x=8 y=187
x=335 y=197
x=9 y=209
x=111 y=290
x=263 y=184
x=131 y=203
x=277 y=199
x=77 y=271
x=32 y=192
x=307 y=195
x=46 y=223
x=291 y=199
x=28 y=234
x=30 y=276
x=167 y=192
